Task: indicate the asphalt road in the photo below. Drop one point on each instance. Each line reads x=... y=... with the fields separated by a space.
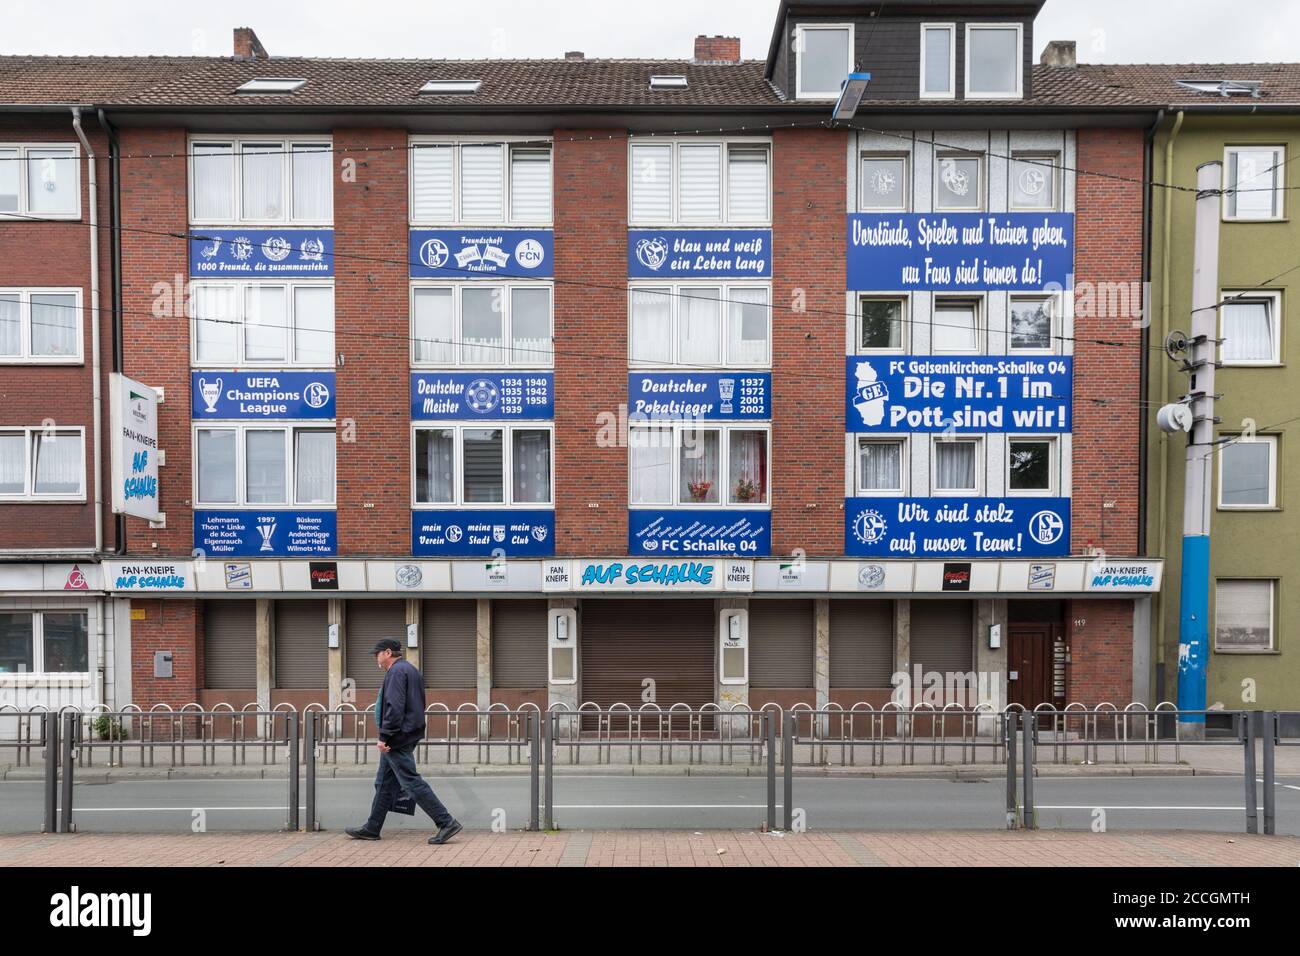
x=669 y=802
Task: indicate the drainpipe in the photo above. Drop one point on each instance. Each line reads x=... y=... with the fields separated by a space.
x=115 y=255
x=97 y=401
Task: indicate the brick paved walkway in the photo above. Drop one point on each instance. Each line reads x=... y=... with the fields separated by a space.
x=657 y=848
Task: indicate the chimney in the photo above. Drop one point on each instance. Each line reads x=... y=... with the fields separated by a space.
x=248 y=46
x=717 y=49
x=1059 y=53
x=574 y=55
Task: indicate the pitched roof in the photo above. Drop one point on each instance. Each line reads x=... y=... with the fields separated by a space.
x=1157 y=83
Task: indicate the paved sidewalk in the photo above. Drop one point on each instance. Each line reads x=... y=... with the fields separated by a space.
x=657 y=848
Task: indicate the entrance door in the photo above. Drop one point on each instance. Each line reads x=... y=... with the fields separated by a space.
x=1029 y=663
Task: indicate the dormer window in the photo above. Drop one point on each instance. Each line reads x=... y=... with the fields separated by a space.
x=938 y=60
x=272 y=84
x=994 y=61
x=823 y=59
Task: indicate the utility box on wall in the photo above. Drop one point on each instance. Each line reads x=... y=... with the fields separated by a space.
x=162 y=664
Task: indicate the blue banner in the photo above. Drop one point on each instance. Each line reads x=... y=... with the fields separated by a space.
x=262 y=253
x=472 y=534
x=710 y=396
x=471 y=253
x=492 y=396
x=699 y=253
x=266 y=534
x=690 y=531
x=959 y=252
x=958 y=393
x=261 y=396
x=956 y=527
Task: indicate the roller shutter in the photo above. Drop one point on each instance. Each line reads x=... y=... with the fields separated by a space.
x=862 y=643
x=625 y=642
x=780 y=643
x=230 y=645
x=448 y=635
x=519 y=644
x=368 y=622
x=942 y=638
x=301 y=645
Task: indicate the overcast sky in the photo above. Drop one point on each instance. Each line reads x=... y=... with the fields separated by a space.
x=1115 y=31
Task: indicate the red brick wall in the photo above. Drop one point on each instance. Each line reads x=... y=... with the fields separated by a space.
x=168 y=625
x=1107 y=380
x=57 y=253
x=1101 y=652
x=372 y=325
x=808 y=196
x=590 y=340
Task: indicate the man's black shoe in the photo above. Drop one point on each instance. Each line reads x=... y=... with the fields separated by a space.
x=361 y=833
x=446 y=833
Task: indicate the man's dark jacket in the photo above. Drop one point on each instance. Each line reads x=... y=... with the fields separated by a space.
x=401 y=724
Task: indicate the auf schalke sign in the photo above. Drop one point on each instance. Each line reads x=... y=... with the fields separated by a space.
x=699 y=253
x=959 y=393
x=955 y=252
x=495 y=396
x=467 y=254
x=956 y=527
x=707 y=396
x=261 y=253
x=261 y=396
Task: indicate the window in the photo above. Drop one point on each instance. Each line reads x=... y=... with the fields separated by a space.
x=955 y=466
x=39 y=464
x=272 y=84
x=1250 y=323
x=256 y=180
x=698 y=182
x=959 y=185
x=451 y=86
x=938 y=60
x=881 y=324
x=472 y=465
x=823 y=59
x=994 y=61
x=884 y=185
x=251 y=465
x=668 y=81
x=40 y=181
x=955 y=327
x=1243 y=615
x=480 y=182
x=685 y=464
x=1034 y=323
x=1031 y=465
x=699 y=325
x=881 y=466
x=1033 y=180
x=1253 y=182
x=1248 y=472
x=262 y=323
x=40 y=325
x=474 y=324
x=44 y=642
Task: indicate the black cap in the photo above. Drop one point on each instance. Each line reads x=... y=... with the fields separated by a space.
x=387 y=644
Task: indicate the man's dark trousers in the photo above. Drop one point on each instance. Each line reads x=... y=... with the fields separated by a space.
x=397 y=773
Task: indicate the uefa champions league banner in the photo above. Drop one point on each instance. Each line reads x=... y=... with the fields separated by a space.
x=261 y=396
x=965 y=394
x=510 y=532
x=703 y=396
x=959 y=252
x=262 y=253
x=491 y=396
x=692 y=531
x=699 y=253
x=266 y=534
x=475 y=253
x=888 y=527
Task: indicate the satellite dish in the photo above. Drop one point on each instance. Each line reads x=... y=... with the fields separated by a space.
x=1174 y=418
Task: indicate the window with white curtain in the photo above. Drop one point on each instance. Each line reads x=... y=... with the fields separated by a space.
x=1248 y=472
x=955 y=325
x=1253 y=182
x=44 y=642
x=255 y=465
x=262 y=180
x=689 y=464
x=699 y=182
x=277 y=324
x=823 y=58
x=956 y=466
x=476 y=324
x=882 y=466
x=40 y=325
x=1243 y=614
x=481 y=183
x=41 y=181
x=699 y=325
x=471 y=465
x=1250 y=326
x=40 y=464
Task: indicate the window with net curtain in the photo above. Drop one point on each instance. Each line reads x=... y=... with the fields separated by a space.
x=10 y=179
x=482 y=326
x=747 y=467
x=650 y=466
x=1249 y=330
x=1243 y=614
x=1254 y=177
x=1246 y=478
x=52 y=319
x=880 y=465
x=954 y=465
x=215 y=311
x=314 y=466
x=435 y=466
x=264 y=466
x=700 y=451
x=13 y=462
x=699 y=339
x=217 y=477
x=484 y=461
x=530 y=454
x=11 y=325
x=51 y=182
x=275 y=181
x=59 y=466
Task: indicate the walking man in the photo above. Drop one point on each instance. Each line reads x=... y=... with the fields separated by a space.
x=399 y=716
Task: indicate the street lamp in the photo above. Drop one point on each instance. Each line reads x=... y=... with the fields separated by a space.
x=852 y=90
